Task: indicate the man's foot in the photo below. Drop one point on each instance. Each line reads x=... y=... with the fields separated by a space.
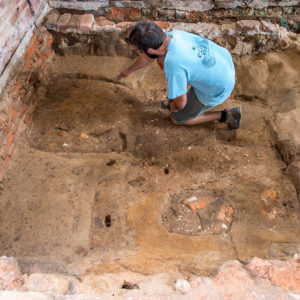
x=233 y=117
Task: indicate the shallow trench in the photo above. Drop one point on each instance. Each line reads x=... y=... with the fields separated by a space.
x=100 y=182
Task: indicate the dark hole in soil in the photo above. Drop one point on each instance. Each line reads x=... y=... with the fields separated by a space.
x=107 y=221
x=166 y=171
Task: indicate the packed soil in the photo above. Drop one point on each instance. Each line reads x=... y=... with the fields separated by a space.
x=104 y=182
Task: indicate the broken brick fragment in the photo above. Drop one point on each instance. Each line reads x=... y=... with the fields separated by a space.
x=268 y=195
x=225 y=214
x=194 y=203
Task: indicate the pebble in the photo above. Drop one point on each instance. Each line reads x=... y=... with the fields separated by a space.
x=182 y=286
x=84 y=136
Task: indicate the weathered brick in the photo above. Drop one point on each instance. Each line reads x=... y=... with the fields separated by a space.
x=52 y=21
x=124 y=14
x=86 y=22
x=103 y=22
x=8 y=146
x=3 y=119
x=193 y=16
x=79 y=5
x=32 y=47
x=63 y=22
x=21 y=128
x=125 y=25
x=6 y=161
x=75 y=22
x=162 y=25
x=27 y=118
x=14 y=115
x=16 y=90
x=8 y=127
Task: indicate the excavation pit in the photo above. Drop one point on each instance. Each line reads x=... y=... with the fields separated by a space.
x=100 y=181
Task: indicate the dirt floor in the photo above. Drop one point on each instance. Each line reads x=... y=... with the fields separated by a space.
x=104 y=182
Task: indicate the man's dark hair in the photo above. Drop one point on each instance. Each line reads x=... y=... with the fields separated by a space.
x=145 y=35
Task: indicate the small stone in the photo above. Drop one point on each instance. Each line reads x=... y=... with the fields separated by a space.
x=84 y=136
x=10 y=276
x=182 y=286
x=130 y=286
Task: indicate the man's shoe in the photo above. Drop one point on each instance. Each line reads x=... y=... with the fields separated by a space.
x=233 y=117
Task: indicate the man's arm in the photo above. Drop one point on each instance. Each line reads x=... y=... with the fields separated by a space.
x=142 y=62
x=178 y=103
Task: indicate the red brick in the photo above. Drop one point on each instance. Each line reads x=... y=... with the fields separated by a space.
x=63 y=22
x=162 y=25
x=28 y=65
x=193 y=16
x=16 y=89
x=104 y=23
x=225 y=214
x=8 y=146
x=8 y=127
x=124 y=14
x=21 y=128
x=86 y=22
x=6 y=161
x=11 y=108
x=27 y=118
x=48 y=34
x=49 y=53
x=3 y=117
x=18 y=105
x=32 y=47
x=14 y=115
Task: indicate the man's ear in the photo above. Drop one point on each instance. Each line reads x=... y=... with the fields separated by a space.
x=151 y=51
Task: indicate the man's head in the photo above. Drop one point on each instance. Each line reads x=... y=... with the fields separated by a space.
x=147 y=35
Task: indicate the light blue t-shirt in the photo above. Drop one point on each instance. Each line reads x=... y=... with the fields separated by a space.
x=196 y=61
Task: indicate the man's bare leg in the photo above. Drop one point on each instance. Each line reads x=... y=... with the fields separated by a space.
x=203 y=118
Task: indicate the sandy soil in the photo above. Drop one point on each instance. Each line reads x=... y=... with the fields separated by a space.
x=101 y=180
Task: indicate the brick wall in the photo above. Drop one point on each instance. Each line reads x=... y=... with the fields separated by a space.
x=17 y=99
x=18 y=20
x=25 y=50
x=284 y=12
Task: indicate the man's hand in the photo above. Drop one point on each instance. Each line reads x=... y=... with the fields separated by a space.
x=125 y=73
x=178 y=103
x=142 y=62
